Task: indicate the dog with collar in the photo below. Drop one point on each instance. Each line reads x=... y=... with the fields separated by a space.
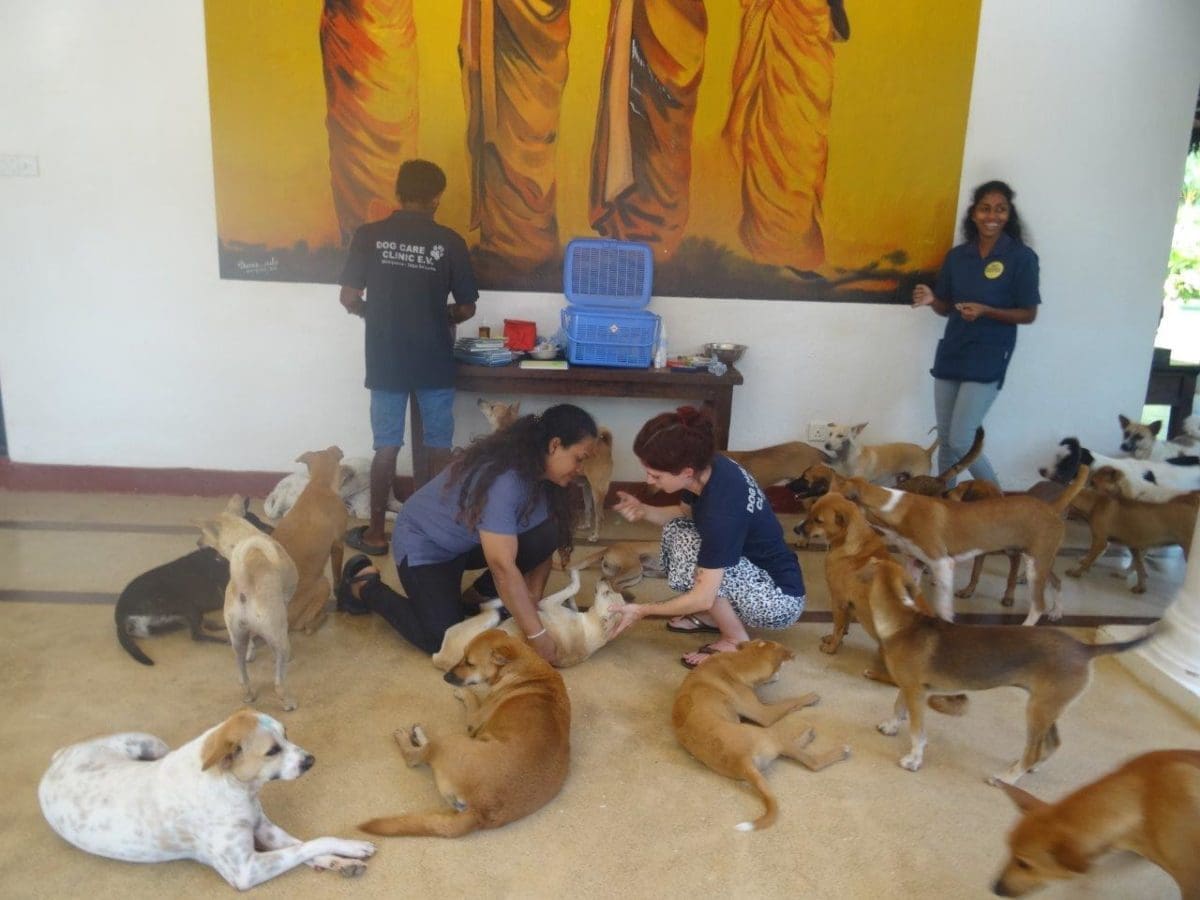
x=925 y=654
x=1145 y=479
x=130 y=797
x=941 y=532
x=513 y=758
x=1149 y=806
x=875 y=462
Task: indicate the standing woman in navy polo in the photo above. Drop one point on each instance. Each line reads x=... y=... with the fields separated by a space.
x=988 y=286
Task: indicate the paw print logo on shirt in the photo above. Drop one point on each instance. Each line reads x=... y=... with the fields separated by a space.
x=437 y=251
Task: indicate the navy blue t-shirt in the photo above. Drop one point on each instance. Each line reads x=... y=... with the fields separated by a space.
x=409 y=265
x=734 y=520
x=1007 y=278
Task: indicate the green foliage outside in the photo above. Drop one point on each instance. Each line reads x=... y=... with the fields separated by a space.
x=1183 y=270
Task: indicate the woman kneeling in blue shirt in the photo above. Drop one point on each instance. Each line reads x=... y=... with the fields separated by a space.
x=722 y=547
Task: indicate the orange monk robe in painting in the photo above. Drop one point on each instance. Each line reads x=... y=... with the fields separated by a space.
x=778 y=128
x=642 y=155
x=514 y=67
x=369 y=54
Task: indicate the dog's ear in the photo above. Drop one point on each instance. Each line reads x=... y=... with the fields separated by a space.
x=851 y=489
x=345 y=473
x=856 y=430
x=839 y=519
x=1123 y=420
x=1024 y=800
x=225 y=743
x=1154 y=427
x=236 y=506
x=516 y=409
x=500 y=657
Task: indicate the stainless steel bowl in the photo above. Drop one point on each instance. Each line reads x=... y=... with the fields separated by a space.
x=725 y=352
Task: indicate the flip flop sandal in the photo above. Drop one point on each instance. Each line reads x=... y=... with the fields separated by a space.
x=707 y=650
x=702 y=627
x=346 y=601
x=354 y=538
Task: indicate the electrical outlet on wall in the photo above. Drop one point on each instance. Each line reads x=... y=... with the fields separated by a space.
x=818 y=431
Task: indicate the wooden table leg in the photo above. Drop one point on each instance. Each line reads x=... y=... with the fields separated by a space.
x=721 y=403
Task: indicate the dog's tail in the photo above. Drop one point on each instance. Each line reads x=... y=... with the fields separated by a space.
x=126 y=639
x=760 y=786
x=1060 y=503
x=1094 y=650
x=929 y=450
x=264 y=546
x=963 y=464
x=444 y=823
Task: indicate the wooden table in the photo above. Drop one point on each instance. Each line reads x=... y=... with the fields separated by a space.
x=1173 y=386
x=699 y=388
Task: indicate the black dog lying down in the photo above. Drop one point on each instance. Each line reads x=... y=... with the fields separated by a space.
x=176 y=594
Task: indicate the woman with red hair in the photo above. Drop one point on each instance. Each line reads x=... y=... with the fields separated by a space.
x=722 y=548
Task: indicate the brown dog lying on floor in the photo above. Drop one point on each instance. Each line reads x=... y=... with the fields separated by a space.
x=624 y=564
x=771 y=465
x=1150 y=806
x=924 y=653
x=1138 y=524
x=718 y=694
x=512 y=760
x=311 y=533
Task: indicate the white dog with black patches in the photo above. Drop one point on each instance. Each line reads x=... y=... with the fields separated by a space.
x=1145 y=479
x=129 y=797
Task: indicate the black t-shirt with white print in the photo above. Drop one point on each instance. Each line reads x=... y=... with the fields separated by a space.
x=734 y=520
x=409 y=265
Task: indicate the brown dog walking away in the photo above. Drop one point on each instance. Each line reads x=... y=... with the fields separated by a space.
x=925 y=654
x=311 y=533
x=513 y=758
x=718 y=694
x=1150 y=806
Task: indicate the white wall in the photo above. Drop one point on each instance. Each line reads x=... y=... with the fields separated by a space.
x=119 y=345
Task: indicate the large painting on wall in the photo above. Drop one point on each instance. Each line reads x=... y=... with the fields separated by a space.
x=777 y=149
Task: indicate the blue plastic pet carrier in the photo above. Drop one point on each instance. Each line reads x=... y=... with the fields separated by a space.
x=608 y=284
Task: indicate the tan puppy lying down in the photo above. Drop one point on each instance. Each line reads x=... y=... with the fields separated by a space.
x=513 y=758
x=925 y=654
x=1150 y=805
x=625 y=564
x=576 y=634
x=718 y=694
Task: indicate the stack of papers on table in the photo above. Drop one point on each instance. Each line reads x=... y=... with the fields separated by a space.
x=483 y=351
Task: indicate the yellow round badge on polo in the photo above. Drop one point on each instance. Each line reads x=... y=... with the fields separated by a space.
x=994 y=269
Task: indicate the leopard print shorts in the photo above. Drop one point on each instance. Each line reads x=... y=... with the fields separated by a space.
x=749 y=590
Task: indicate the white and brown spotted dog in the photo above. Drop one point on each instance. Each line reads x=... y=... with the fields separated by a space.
x=130 y=797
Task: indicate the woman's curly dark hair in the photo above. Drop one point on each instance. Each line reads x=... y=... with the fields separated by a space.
x=522 y=447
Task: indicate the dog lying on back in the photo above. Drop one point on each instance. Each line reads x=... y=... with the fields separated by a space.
x=876 y=462
x=925 y=654
x=130 y=797
x=1150 y=806
x=180 y=592
x=718 y=695
x=577 y=635
x=513 y=758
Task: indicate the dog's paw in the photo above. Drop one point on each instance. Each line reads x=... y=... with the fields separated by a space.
x=1006 y=601
x=964 y=593
x=347 y=868
x=354 y=849
x=912 y=761
x=890 y=727
x=1077 y=572
x=830 y=643
x=1138 y=589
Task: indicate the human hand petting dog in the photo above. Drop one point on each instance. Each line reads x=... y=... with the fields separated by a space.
x=626 y=616
x=630 y=507
x=545 y=647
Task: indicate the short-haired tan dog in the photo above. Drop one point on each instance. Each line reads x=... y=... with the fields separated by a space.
x=1138 y=524
x=624 y=564
x=513 y=758
x=875 y=462
x=935 y=485
x=925 y=654
x=1150 y=806
x=597 y=476
x=941 y=532
x=311 y=533
x=770 y=465
x=498 y=413
x=714 y=699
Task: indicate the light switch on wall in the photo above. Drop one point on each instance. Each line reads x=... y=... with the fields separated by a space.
x=15 y=165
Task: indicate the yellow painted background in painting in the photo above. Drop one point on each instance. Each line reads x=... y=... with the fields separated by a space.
x=902 y=87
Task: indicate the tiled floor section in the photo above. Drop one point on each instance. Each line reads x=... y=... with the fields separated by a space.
x=637 y=818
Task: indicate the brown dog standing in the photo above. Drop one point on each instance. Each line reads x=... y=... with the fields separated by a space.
x=311 y=533
x=512 y=760
x=713 y=699
x=1150 y=805
x=771 y=465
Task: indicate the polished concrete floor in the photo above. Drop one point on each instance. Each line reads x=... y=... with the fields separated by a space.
x=638 y=817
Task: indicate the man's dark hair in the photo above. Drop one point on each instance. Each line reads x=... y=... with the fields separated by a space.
x=419 y=181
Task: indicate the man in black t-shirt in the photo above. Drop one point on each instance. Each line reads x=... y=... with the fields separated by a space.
x=408 y=264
